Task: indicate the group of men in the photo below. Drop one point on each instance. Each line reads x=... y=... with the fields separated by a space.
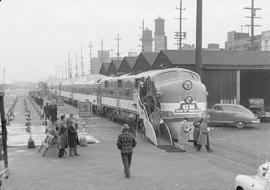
x=67 y=135
x=200 y=134
x=50 y=112
x=126 y=140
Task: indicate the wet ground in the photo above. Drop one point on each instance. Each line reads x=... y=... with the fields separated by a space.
x=99 y=166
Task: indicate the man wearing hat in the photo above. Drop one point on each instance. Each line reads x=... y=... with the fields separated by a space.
x=126 y=142
x=132 y=124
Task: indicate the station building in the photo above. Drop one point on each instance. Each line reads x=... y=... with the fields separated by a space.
x=127 y=65
x=144 y=62
x=114 y=67
x=104 y=68
x=229 y=76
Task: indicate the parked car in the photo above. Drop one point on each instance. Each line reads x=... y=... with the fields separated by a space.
x=260 y=181
x=232 y=114
x=256 y=105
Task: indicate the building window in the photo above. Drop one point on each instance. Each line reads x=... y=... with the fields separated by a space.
x=106 y=84
x=120 y=84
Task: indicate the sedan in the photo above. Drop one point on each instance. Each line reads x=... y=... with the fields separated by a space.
x=260 y=181
x=232 y=114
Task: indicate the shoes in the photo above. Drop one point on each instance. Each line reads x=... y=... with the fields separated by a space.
x=77 y=154
x=71 y=155
x=198 y=150
x=182 y=150
x=209 y=150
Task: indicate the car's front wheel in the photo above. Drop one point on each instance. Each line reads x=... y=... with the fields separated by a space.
x=240 y=124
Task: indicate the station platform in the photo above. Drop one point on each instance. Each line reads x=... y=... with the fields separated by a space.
x=99 y=166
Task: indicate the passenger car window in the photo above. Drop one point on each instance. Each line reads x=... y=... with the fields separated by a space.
x=218 y=108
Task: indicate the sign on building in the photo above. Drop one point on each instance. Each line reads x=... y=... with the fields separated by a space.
x=59 y=100
x=85 y=109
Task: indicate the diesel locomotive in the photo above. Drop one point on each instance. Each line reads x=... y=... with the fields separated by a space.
x=172 y=94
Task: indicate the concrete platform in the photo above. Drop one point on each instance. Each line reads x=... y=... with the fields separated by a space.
x=99 y=166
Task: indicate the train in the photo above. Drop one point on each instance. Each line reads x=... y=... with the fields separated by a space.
x=156 y=97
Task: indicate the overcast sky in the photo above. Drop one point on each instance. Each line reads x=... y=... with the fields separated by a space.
x=36 y=35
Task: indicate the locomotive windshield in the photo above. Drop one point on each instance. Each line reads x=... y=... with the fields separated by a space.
x=172 y=75
x=189 y=75
x=167 y=76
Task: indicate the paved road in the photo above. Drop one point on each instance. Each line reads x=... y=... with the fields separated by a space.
x=99 y=166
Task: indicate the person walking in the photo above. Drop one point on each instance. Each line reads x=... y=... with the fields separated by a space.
x=132 y=124
x=72 y=136
x=203 y=136
x=62 y=136
x=126 y=142
x=183 y=131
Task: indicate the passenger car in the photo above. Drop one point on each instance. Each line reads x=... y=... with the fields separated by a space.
x=260 y=181
x=232 y=114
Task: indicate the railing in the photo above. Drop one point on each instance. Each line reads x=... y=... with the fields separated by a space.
x=149 y=129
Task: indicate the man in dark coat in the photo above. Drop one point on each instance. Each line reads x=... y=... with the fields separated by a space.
x=53 y=114
x=126 y=142
x=62 y=136
x=203 y=136
x=72 y=136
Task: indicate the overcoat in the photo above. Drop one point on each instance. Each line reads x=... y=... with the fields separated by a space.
x=183 y=133
x=196 y=130
x=203 y=133
x=62 y=135
x=72 y=134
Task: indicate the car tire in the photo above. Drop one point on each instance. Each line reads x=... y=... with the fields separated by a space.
x=239 y=188
x=240 y=124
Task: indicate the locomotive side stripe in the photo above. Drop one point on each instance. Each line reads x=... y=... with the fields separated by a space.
x=174 y=106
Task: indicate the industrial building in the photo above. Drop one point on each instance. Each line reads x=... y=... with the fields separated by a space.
x=160 y=40
x=147 y=40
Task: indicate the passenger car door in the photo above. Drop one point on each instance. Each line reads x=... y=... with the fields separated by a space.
x=216 y=113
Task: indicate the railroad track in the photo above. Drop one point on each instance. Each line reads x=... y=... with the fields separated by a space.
x=232 y=153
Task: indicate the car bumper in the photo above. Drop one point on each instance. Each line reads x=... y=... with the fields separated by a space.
x=254 y=123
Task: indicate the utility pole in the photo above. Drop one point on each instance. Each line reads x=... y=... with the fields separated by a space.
x=90 y=55
x=62 y=71
x=69 y=66
x=252 y=25
x=118 y=39
x=4 y=73
x=101 y=50
x=66 y=69
x=241 y=26
x=142 y=29
x=76 y=66
x=180 y=35
x=198 y=58
x=82 y=62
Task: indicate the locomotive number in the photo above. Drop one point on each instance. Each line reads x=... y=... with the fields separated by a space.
x=187 y=108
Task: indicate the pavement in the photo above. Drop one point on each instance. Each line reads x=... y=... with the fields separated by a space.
x=99 y=166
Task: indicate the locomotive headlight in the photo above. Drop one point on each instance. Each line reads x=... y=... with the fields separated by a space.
x=188 y=99
x=187 y=84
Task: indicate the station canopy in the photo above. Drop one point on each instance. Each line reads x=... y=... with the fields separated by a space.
x=104 y=68
x=114 y=67
x=220 y=59
x=127 y=65
x=144 y=62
